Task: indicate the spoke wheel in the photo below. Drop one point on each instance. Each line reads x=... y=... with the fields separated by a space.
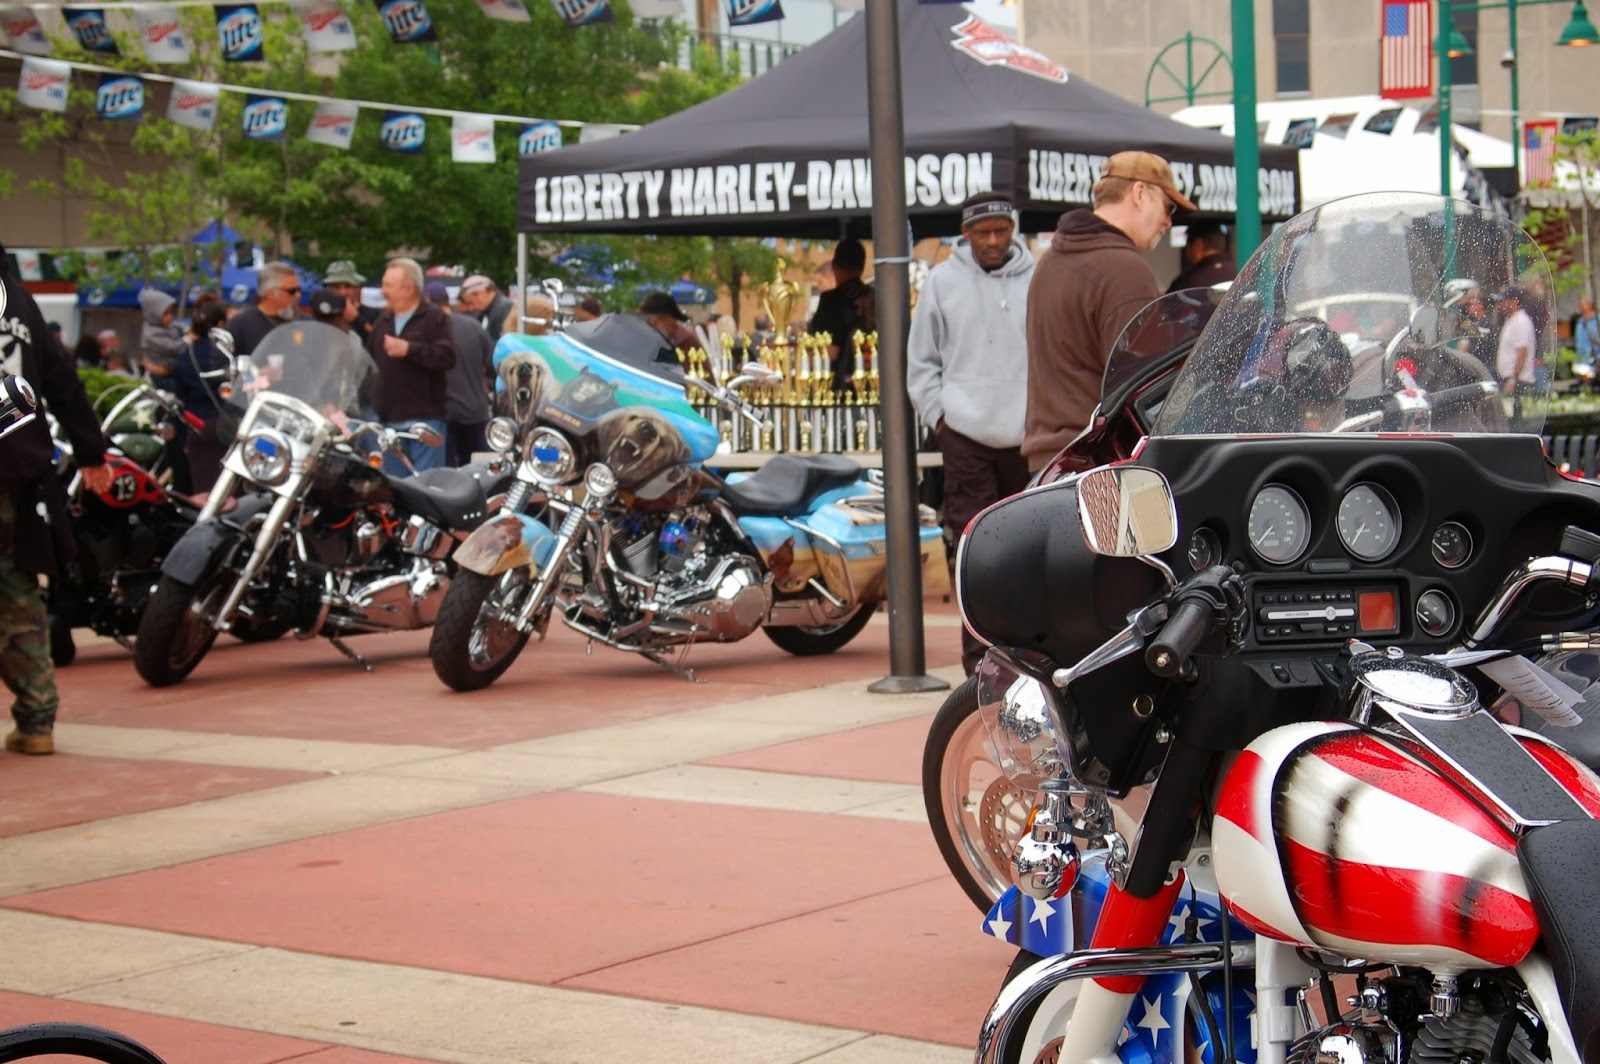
x=473 y=644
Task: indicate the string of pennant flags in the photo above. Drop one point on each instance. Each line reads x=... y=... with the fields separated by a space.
x=326 y=27
x=122 y=96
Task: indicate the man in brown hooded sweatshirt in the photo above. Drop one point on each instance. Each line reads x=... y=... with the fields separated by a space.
x=1091 y=282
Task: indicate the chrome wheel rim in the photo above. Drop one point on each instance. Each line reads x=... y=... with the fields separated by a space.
x=195 y=633
x=984 y=812
x=492 y=635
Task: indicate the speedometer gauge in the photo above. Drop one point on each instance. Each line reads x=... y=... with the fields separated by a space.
x=1369 y=522
x=1280 y=525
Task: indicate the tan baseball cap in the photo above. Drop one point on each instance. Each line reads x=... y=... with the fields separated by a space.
x=1151 y=169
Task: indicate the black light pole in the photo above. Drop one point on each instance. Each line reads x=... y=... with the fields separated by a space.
x=891 y=248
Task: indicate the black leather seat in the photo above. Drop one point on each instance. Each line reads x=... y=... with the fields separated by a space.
x=784 y=486
x=1561 y=863
x=451 y=497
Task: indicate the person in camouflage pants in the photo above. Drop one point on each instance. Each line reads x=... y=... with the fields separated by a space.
x=25 y=663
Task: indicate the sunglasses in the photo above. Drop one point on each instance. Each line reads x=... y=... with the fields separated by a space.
x=1172 y=208
x=292 y=291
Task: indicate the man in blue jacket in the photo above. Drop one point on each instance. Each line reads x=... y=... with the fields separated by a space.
x=968 y=364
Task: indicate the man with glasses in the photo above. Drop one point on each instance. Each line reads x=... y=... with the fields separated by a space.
x=277 y=301
x=1086 y=287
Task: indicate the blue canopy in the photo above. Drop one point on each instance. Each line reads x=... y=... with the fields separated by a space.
x=217 y=232
x=238 y=286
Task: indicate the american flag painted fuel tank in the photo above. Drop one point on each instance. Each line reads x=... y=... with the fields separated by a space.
x=1349 y=841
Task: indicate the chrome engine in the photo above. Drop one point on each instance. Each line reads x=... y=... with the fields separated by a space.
x=1367 y=1037
x=395 y=602
x=678 y=582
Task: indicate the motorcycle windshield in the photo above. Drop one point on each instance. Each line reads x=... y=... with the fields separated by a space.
x=317 y=363
x=1387 y=312
x=1159 y=336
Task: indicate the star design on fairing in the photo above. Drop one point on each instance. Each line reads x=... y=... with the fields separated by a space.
x=1000 y=928
x=1175 y=925
x=1042 y=912
x=1153 y=1021
x=144 y=416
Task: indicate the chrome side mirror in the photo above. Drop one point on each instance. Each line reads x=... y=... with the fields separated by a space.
x=426 y=434
x=222 y=340
x=1127 y=511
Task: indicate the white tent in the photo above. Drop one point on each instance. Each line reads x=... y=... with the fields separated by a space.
x=1359 y=144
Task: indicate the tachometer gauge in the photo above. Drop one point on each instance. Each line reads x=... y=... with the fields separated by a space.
x=1280 y=525
x=1369 y=522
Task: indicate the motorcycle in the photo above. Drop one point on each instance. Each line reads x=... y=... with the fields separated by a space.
x=657 y=553
x=1263 y=620
x=320 y=539
x=975 y=812
x=123 y=532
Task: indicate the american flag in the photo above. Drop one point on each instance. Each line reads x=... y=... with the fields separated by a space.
x=1538 y=152
x=1405 y=67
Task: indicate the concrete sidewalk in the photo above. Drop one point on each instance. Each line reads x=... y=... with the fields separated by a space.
x=287 y=858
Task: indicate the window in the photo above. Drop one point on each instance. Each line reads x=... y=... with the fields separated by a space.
x=1291 y=30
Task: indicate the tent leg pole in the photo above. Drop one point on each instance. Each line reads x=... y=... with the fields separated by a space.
x=891 y=249
x=522 y=279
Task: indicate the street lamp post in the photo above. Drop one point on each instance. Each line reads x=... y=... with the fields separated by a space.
x=1578 y=33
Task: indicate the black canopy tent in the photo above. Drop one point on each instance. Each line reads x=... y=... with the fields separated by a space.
x=786 y=154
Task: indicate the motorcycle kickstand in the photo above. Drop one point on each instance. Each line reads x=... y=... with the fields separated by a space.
x=351 y=654
x=681 y=671
x=124 y=642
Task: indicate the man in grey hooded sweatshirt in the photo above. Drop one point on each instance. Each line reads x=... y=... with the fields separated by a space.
x=968 y=364
x=160 y=339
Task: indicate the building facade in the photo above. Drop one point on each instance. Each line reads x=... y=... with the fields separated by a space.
x=1312 y=48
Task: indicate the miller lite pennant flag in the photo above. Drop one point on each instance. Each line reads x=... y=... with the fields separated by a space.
x=407 y=21
x=119 y=96
x=403 y=131
x=327 y=28
x=505 y=10
x=1405 y=58
x=88 y=24
x=334 y=124
x=472 y=139
x=24 y=31
x=264 y=117
x=240 y=32
x=161 y=33
x=538 y=137
x=193 y=104
x=44 y=84
x=750 y=12
x=584 y=12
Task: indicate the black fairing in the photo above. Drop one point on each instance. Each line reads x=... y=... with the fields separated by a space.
x=1561 y=863
x=1026 y=580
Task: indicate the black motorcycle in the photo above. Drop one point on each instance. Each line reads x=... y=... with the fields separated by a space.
x=304 y=528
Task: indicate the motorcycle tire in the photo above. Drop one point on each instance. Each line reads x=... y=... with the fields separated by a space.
x=63 y=650
x=807 y=642
x=73 y=1040
x=976 y=814
x=246 y=630
x=175 y=632
x=469 y=652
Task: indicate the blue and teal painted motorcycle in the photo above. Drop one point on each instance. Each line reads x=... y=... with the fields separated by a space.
x=617 y=525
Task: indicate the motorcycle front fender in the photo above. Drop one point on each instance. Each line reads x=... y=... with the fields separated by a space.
x=505 y=542
x=200 y=550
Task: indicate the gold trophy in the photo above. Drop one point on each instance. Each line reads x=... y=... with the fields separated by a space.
x=782 y=299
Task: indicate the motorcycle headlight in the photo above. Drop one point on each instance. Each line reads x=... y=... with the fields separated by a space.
x=549 y=457
x=1015 y=710
x=501 y=434
x=599 y=481
x=266 y=456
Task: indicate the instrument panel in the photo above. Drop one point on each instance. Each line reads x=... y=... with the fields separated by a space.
x=1388 y=539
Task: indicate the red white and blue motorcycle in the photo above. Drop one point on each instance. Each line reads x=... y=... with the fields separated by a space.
x=1272 y=634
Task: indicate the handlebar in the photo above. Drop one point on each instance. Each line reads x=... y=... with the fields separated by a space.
x=1176 y=642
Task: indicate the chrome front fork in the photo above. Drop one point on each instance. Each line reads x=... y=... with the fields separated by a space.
x=266 y=537
x=566 y=536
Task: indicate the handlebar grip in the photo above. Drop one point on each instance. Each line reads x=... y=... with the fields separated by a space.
x=1189 y=623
